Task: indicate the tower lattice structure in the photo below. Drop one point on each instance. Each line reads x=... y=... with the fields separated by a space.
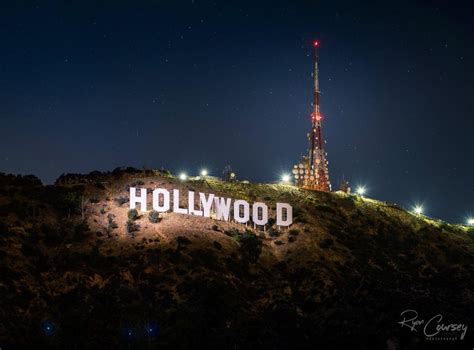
x=312 y=171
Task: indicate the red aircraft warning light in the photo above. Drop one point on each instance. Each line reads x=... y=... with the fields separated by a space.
x=316 y=43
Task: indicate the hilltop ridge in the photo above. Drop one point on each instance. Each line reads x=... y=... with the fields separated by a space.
x=340 y=274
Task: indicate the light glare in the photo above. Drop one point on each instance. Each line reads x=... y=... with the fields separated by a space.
x=418 y=209
x=183 y=176
x=361 y=190
x=203 y=172
x=470 y=221
x=285 y=178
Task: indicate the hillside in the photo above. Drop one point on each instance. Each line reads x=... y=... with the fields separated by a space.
x=73 y=276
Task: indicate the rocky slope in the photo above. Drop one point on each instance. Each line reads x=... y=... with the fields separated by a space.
x=73 y=276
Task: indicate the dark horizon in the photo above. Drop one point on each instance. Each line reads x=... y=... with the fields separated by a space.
x=197 y=84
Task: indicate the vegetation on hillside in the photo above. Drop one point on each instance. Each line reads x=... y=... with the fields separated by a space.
x=101 y=276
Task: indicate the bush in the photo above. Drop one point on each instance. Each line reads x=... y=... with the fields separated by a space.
x=273 y=233
x=250 y=246
x=294 y=232
x=154 y=216
x=121 y=200
x=132 y=227
x=233 y=233
x=67 y=199
x=183 y=240
x=325 y=244
x=112 y=225
x=94 y=199
x=132 y=214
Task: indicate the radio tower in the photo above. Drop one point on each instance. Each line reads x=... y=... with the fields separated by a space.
x=312 y=172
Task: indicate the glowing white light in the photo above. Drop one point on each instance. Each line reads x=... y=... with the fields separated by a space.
x=418 y=209
x=470 y=221
x=361 y=190
x=285 y=178
x=183 y=176
x=203 y=172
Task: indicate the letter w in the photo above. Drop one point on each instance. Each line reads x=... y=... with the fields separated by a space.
x=222 y=208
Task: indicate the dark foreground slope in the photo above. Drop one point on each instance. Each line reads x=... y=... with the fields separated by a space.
x=73 y=277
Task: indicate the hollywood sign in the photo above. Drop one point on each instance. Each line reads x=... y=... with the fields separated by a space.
x=211 y=206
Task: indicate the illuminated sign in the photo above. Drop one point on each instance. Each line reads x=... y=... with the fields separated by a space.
x=209 y=205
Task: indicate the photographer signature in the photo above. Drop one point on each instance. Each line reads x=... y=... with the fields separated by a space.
x=433 y=326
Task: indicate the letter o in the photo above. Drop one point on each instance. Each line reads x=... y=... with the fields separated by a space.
x=156 y=200
x=246 y=215
x=255 y=217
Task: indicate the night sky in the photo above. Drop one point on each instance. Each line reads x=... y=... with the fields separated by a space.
x=190 y=84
